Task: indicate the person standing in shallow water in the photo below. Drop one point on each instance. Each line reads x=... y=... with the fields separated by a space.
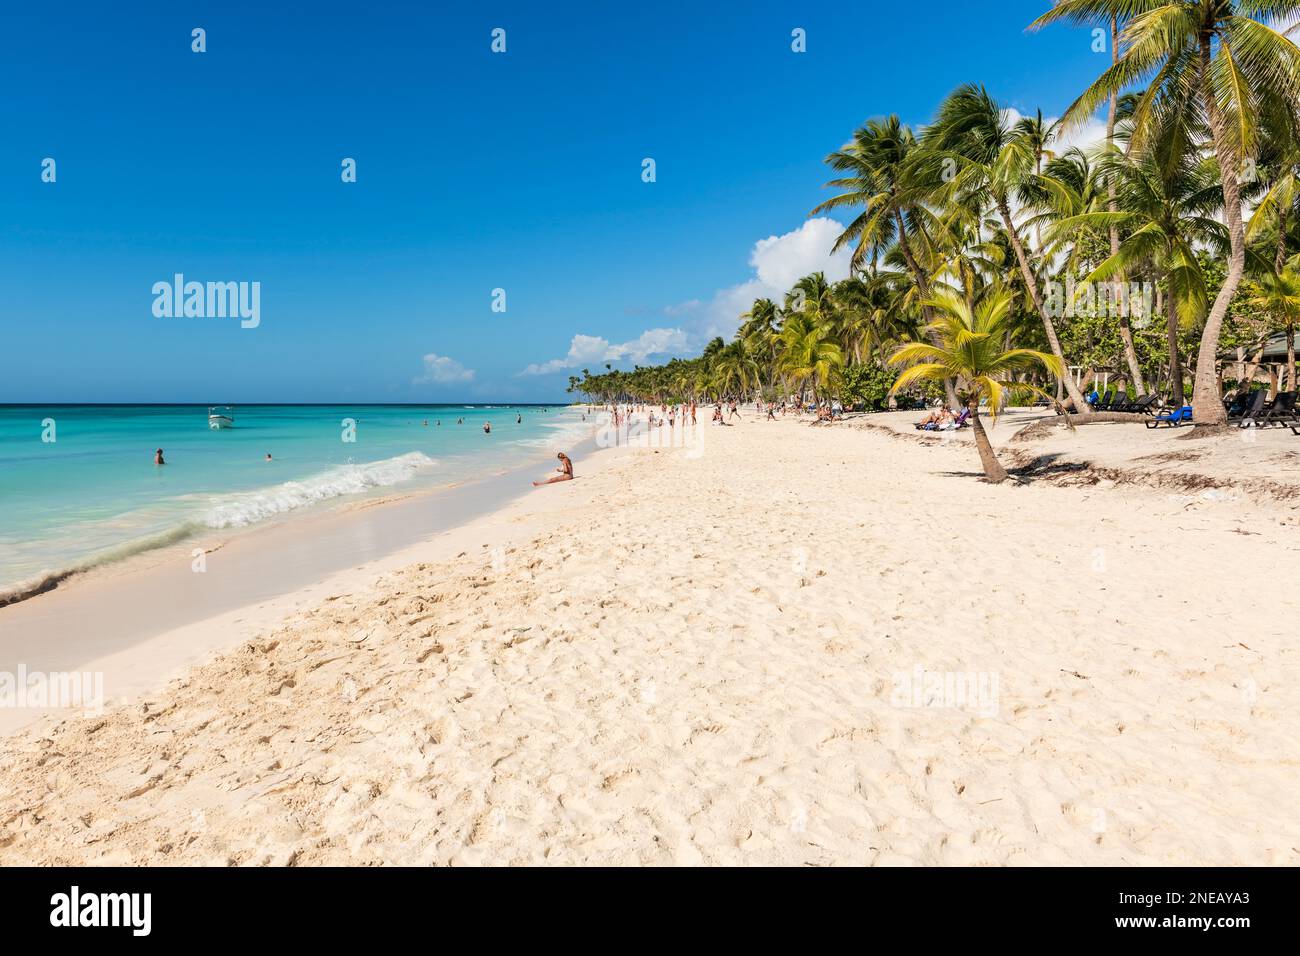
x=487 y=428
x=158 y=457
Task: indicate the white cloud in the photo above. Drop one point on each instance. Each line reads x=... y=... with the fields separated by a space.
x=441 y=370
x=586 y=349
x=1086 y=137
x=652 y=342
x=683 y=308
x=778 y=263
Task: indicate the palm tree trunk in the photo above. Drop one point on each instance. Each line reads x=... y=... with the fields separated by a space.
x=1081 y=407
x=1125 y=329
x=1253 y=368
x=1206 y=399
x=1176 y=395
x=1130 y=352
x=1038 y=171
x=1290 y=357
x=993 y=469
x=1279 y=257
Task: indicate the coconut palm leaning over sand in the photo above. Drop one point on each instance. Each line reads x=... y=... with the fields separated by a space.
x=971 y=351
x=1164 y=208
x=1221 y=60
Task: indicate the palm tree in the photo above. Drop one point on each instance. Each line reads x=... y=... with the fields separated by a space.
x=881 y=170
x=1165 y=215
x=1112 y=118
x=736 y=370
x=812 y=295
x=994 y=165
x=1039 y=134
x=1278 y=294
x=759 y=327
x=877 y=164
x=760 y=322
x=971 y=350
x=1240 y=72
x=809 y=353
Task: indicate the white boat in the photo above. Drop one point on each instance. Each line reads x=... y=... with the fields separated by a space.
x=221 y=416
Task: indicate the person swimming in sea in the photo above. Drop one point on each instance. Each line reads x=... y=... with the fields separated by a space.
x=268 y=456
x=158 y=457
x=565 y=472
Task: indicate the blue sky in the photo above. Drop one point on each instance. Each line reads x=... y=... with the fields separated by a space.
x=475 y=171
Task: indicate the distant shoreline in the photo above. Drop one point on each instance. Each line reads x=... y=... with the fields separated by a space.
x=205 y=404
x=85 y=493
x=108 y=610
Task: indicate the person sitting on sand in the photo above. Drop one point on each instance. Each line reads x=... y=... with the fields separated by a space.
x=943 y=418
x=158 y=457
x=565 y=472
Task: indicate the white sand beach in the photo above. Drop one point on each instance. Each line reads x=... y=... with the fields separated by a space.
x=795 y=644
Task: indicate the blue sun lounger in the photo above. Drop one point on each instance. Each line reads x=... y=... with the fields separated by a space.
x=1172 y=419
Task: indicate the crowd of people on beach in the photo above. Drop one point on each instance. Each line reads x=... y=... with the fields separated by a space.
x=724 y=413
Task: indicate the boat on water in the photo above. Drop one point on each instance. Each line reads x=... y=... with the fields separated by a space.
x=221 y=416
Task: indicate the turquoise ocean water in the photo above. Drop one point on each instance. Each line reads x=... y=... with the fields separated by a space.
x=94 y=495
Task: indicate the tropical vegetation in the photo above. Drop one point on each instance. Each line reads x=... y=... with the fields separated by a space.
x=992 y=262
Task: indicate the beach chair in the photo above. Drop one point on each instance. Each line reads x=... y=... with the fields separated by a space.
x=1277 y=412
x=1248 y=405
x=1236 y=404
x=1173 y=419
x=1282 y=412
x=1145 y=405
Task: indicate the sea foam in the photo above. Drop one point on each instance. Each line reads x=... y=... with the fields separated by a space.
x=241 y=510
